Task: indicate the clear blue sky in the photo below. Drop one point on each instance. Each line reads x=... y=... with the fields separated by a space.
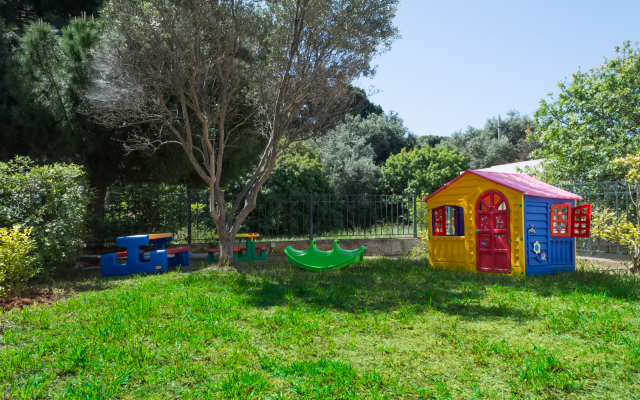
x=461 y=62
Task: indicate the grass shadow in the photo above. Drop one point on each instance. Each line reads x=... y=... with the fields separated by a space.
x=92 y=280
x=381 y=285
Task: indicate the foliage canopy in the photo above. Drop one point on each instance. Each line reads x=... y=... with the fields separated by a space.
x=348 y=155
x=421 y=170
x=50 y=199
x=482 y=147
x=297 y=172
x=430 y=140
x=16 y=259
x=353 y=152
x=45 y=77
x=203 y=73
x=594 y=120
x=623 y=228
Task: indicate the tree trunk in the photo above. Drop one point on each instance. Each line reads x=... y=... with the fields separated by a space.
x=97 y=207
x=101 y=194
x=635 y=267
x=226 y=246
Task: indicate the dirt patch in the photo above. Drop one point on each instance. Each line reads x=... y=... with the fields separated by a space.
x=32 y=296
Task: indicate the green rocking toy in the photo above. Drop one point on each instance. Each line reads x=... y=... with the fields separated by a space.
x=318 y=260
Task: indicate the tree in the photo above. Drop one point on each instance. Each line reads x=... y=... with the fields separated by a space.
x=23 y=13
x=282 y=204
x=594 y=120
x=194 y=68
x=353 y=152
x=421 y=170
x=387 y=135
x=5 y=116
x=623 y=229
x=44 y=79
x=4 y=44
x=482 y=147
x=361 y=105
x=430 y=140
x=349 y=158
x=297 y=172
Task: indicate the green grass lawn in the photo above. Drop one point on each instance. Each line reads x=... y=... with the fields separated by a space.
x=386 y=328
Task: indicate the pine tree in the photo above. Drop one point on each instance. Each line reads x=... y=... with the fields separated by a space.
x=23 y=13
x=45 y=77
x=44 y=82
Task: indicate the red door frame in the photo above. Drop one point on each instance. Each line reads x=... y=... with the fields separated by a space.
x=493 y=233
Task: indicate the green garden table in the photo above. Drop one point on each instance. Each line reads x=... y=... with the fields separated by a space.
x=250 y=249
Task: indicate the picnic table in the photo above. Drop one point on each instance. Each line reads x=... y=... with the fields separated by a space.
x=249 y=253
x=159 y=258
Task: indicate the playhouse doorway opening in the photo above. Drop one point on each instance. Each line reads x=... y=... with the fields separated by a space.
x=493 y=233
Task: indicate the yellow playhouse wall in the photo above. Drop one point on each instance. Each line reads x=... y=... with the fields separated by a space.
x=459 y=252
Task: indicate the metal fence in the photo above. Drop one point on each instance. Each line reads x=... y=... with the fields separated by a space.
x=277 y=216
x=142 y=209
x=614 y=195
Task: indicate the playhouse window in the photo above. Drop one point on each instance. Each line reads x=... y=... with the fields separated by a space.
x=570 y=221
x=496 y=199
x=448 y=221
x=560 y=220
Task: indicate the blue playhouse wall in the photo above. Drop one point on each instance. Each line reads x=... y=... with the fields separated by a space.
x=560 y=251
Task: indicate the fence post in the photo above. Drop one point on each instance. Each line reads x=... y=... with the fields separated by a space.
x=310 y=215
x=415 y=216
x=627 y=193
x=189 y=216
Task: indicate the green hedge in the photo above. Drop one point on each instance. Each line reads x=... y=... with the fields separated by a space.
x=53 y=201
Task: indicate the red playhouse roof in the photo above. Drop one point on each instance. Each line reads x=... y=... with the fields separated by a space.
x=521 y=183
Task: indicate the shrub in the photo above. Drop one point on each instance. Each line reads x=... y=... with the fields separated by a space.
x=17 y=263
x=52 y=200
x=135 y=209
x=622 y=229
x=422 y=249
x=421 y=170
x=349 y=159
x=295 y=174
x=618 y=229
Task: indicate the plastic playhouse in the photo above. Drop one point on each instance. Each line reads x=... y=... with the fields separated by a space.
x=318 y=260
x=505 y=223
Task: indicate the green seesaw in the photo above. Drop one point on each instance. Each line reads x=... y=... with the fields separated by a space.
x=318 y=260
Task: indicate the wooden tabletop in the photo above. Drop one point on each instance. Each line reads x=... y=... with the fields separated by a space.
x=153 y=236
x=245 y=235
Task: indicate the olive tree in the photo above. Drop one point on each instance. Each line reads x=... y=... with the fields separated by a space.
x=213 y=75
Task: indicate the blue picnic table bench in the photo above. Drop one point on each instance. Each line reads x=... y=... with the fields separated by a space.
x=137 y=262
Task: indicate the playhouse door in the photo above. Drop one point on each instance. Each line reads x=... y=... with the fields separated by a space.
x=493 y=233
